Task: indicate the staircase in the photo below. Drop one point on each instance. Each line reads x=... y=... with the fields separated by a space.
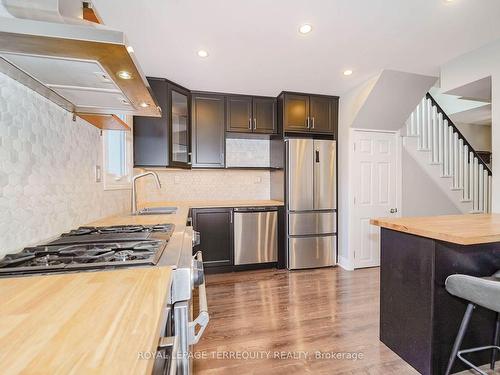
x=440 y=142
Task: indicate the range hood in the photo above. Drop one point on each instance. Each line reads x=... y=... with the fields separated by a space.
x=82 y=66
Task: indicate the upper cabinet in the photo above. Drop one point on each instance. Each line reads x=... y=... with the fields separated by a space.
x=180 y=108
x=151 y=134
x=247 y=114
x=208 y=130
x=304 y=113
x=264 y=115
x=165 y=141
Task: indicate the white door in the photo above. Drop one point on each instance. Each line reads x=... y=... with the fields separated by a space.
x=375 y=164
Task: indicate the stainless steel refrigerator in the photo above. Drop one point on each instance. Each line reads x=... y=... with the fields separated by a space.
x=311 y=202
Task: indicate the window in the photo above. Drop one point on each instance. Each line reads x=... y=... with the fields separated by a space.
x=117 y=157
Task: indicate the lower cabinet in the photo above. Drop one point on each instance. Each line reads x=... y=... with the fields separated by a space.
x=216 y=235
x=216 y=228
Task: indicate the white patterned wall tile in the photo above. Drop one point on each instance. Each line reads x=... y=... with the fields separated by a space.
x=47 y=166
x=247 y=152
x=205 y=184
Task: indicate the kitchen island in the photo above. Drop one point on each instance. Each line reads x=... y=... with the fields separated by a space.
x=418 y=318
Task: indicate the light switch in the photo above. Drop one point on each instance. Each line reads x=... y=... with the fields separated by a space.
x=258 y=180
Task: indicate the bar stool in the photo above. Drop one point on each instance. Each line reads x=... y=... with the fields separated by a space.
x=478 y=291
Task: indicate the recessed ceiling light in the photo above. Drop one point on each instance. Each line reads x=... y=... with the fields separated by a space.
x=347 y=72
x=305 y=28
x=130 y=49
x=123 y=74
x=144 y=104
x=202 y=53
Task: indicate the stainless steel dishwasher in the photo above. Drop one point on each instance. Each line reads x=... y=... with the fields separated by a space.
x=255 y=235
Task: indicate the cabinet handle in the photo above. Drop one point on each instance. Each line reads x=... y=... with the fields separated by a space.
x=254 y=123
x=250 y=123
x=312 y=127
x=231 y=217
x=307 y=122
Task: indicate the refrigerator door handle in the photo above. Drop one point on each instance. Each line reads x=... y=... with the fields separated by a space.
x=317 y=156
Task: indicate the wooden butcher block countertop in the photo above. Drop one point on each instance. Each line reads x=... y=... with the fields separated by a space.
x=93 y=322
x=82 y=323
x=460 y=229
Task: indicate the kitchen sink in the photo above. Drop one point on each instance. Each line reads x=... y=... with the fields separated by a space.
x=157 y=211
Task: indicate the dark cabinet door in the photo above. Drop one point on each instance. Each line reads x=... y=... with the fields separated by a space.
x=151 y=134
x=239 y=114
x=208 y=119
x=296 y=113
x=264 y=115
x=216 y=235
x=321 y=114
x=180 y=129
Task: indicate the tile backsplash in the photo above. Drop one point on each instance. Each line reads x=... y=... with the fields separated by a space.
x=247 y=152
x=47 y=161
x=205 y=184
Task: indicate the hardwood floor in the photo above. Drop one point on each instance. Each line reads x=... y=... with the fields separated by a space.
x=323 y=310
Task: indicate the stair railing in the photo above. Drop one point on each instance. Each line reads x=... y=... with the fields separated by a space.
x=438 y=134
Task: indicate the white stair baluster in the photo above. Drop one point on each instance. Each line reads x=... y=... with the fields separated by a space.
x=418 y=122
x=490 y=192
x=455 y=161
x=440 y=138
x=486 y=195
x=413 y=124
x=429 y=124
x=480 y=188
x=466 y=171
x=449 y=172
x=475 y=198
x=423 y=117
x=460 y=162
x=435 y=136
x=471 y=177
x=446 y=155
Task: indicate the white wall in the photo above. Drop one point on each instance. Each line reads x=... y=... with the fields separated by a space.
x=471 y=67
x=47 y=161
x=479 y=136
x=420 y=196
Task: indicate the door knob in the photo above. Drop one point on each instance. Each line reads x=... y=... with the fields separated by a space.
x=393 y=210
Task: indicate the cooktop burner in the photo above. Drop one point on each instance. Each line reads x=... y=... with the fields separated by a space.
x=164 y=228
x=117 y=233
x=53 y=258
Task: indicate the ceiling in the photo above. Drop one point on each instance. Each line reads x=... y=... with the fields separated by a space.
x=254 y=46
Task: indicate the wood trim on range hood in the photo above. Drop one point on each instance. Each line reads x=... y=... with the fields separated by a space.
x=104 y=122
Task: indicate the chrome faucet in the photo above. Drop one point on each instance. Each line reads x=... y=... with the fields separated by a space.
x=134 y=195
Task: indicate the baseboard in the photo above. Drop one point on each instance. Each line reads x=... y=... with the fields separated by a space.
x=345 y=264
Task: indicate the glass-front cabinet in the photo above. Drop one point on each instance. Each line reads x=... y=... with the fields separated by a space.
x=180 y=146
x=165 y=141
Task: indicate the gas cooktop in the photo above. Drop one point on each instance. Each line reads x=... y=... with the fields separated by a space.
x=88 y=248
x=115 y=233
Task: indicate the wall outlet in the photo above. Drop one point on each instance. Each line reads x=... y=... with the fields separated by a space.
x=98 y=175
x=177 y=180
x=258 y=180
